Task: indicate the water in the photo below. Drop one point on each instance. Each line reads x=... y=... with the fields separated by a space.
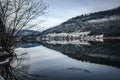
x=56 y=61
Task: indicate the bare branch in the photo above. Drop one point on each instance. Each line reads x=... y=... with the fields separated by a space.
x=16 y=14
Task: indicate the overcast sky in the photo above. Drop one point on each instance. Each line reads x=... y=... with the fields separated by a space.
x=62 y=10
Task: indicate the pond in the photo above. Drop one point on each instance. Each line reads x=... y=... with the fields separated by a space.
x=65 y=61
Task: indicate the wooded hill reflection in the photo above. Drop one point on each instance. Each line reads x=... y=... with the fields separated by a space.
x=106 y=53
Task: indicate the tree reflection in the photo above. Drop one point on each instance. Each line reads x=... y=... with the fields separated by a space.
x=80 y=69
x=105 y=53
x=16 y=68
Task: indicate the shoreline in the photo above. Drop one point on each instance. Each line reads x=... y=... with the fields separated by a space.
x=111 y=38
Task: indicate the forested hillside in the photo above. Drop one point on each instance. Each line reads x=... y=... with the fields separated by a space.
x=103 y=22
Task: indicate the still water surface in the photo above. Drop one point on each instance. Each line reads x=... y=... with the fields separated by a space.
x=96 y=61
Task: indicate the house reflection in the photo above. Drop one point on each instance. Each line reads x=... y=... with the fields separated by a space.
x=105 y=53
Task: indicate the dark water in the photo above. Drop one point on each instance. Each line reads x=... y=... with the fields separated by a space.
x=64 y=61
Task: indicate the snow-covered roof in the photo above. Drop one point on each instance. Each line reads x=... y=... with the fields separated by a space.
x=69 y=34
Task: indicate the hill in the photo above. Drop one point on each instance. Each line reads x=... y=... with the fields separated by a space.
x=29 y=33
x=103 y=22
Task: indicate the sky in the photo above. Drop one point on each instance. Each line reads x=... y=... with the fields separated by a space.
x=62 y=10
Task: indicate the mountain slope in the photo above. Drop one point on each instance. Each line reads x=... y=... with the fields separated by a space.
x=27 y=32
x=103 y=22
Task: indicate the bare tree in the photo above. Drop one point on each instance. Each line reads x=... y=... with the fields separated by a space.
x=14 y=16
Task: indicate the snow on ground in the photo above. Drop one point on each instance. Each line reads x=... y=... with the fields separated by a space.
x=74 y=34
x=5 y=61
x=1 y=78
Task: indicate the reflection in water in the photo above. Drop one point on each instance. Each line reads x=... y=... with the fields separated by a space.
x=76 y=62
x=97 y=61
x=106 y=52
x=81 y=69
x=15 y=68
x=28 y=44
x=65 y=42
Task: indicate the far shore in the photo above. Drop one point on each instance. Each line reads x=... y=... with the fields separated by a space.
x=111 y=37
